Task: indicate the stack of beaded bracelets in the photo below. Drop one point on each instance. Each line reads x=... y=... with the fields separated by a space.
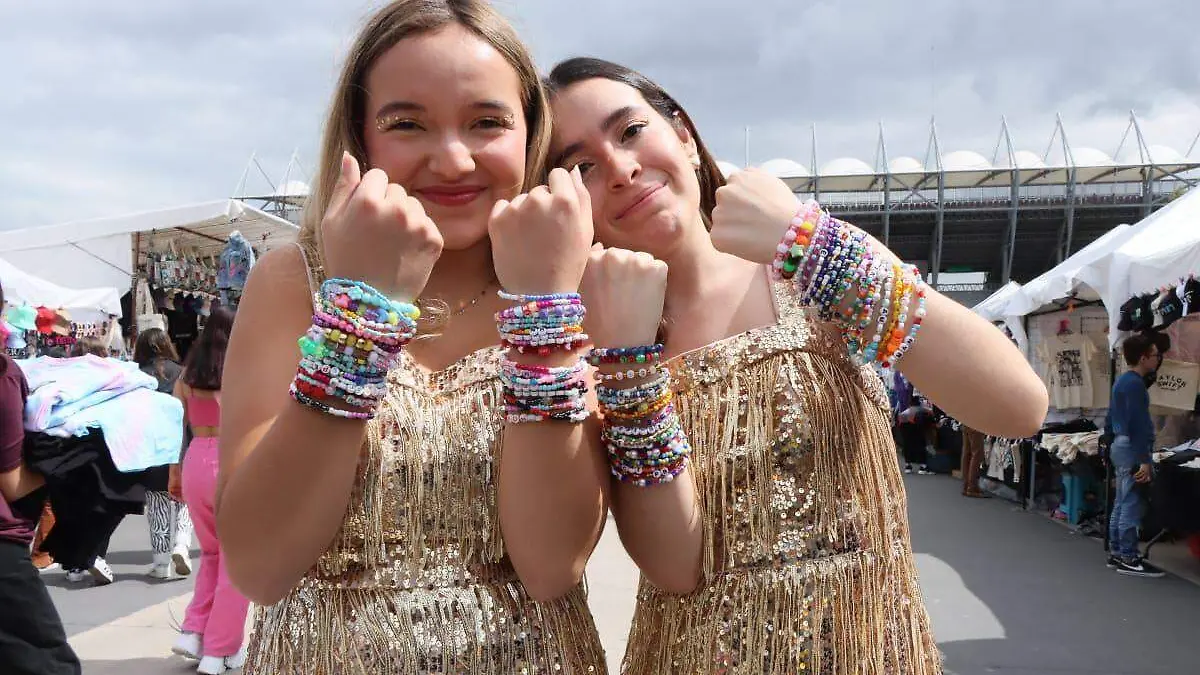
x=356 y=336
x=540 y=324
x=536 y=393
x=645 y=443
x=830 y=261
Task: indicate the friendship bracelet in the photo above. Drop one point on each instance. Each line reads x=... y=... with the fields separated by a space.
x=836 y=268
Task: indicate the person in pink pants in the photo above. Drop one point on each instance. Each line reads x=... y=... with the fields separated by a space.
x=214 y=627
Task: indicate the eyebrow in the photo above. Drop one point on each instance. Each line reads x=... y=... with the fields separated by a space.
x=606 y=126
x=393 y=107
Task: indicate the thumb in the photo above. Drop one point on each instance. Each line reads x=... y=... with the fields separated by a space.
x=581 y=192
x=349 y=176
x=497 y=209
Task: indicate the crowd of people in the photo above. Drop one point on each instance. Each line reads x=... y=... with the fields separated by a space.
x=47 y=526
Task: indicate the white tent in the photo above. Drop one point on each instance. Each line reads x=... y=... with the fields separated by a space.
x=1079 y=274
x=1164 y=249
x=102 y=252
x=992 y=308
x=22 y=287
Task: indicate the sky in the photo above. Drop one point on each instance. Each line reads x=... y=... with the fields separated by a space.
x=129 y=105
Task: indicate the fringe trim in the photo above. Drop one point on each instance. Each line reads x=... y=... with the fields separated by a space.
x=480 y=629
x=858 y=612
x=425 y=482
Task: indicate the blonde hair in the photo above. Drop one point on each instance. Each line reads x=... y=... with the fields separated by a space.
x=400 y=19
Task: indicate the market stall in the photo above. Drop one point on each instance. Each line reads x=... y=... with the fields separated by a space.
x=170 y=264
x=1139 y=278
x=41 y=314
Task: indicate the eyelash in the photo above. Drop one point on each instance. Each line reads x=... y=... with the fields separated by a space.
x=625 y=137
x=410 y=124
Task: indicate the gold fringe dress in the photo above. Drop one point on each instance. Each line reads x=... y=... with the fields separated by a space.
x=808 y=565
x=416 y=580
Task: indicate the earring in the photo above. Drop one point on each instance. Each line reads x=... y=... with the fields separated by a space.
x=695 y=159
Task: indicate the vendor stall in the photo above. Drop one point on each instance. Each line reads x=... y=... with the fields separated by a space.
x=1139 y=278
x=41 y=315
x=170 y=261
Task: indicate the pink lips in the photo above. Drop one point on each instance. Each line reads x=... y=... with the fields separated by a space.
x=642 y=199
x=450 y=195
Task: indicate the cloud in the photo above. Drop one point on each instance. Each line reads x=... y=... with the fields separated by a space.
x=125 y=105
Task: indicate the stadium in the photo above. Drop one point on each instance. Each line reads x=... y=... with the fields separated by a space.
x=1010 y=217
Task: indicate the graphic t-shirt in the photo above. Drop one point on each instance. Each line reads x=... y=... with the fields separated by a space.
x=1068 y=370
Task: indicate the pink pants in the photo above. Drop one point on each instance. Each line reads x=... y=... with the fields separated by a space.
x=217 y=611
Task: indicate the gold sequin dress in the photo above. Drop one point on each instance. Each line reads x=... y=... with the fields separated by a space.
x=808 y=566
x=416 y=580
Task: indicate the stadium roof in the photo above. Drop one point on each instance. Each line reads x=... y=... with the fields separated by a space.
x=1139 y=162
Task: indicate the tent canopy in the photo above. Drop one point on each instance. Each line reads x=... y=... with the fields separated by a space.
x=1077 y=275
x=1163 y=251
x=22 y=287
x=992 y=308
x=100 y=252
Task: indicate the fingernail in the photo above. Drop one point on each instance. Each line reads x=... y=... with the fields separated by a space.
x=345 y=162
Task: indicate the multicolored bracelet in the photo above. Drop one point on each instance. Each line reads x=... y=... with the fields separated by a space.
x=356 y=336
x=645 y=443
x=536 y=393
x=542 y=323
x=648 y=354
x=836 y=268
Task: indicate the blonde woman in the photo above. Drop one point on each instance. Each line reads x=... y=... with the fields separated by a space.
x=433 y=538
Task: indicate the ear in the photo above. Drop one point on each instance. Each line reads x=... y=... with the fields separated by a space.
x=685 y=137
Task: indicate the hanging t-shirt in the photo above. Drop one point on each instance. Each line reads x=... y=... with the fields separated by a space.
x=1101 y=374
x=1069 y=370
x=1176 y=385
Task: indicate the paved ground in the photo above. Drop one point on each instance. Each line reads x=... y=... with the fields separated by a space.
x=1010 y=593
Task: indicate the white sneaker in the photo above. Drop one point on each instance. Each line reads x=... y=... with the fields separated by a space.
x=236 y=661
x=101 y=572
x=211 y=665
x=182 y=560
x=161 y=568
x=76 y=576
x=187 y=645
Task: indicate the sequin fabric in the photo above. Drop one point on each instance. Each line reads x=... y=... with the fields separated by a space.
x=808 y=564
x=416 y=580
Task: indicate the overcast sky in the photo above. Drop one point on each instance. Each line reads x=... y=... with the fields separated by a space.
x=127 y=105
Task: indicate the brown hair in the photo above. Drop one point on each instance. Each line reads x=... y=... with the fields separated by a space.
x=400 y=19
x=579 y=69
x=89 y=345
x=206 y=357
x=152 y=347
x=1135 y=347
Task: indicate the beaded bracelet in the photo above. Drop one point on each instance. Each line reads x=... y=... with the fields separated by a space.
x=836 y=269
x=790 y=251
x=642 y=435
x=542 y=323
x=535 y=393
x=647 y=354
x=356 y=336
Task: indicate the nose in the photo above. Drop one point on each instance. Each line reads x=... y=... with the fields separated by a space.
x=623 y=169
x=451 y=159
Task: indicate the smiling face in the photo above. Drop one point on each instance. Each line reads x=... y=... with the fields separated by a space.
x=444 y=119
x=637 y=165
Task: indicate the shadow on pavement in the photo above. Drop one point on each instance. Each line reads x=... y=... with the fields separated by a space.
x=139 y=666
x=1012 y=592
